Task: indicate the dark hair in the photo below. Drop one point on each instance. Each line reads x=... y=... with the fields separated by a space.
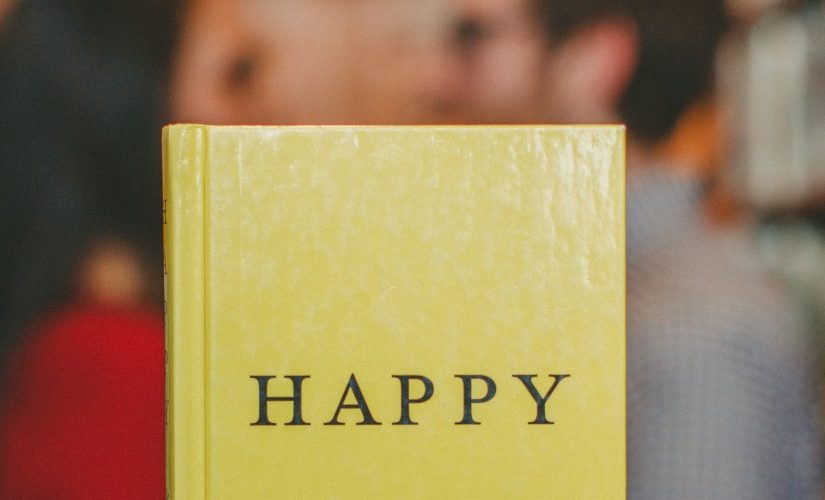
x=676 y=58
x=82 y=101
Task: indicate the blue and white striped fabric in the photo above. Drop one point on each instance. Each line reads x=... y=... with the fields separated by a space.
x=720 y=366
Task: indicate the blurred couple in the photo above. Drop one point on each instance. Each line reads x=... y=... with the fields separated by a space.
x=720 y=399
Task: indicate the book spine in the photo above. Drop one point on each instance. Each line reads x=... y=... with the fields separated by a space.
x=184 y=157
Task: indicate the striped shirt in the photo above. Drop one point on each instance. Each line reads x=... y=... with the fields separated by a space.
x=720 y=399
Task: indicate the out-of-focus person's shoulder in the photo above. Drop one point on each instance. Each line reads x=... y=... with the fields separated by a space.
x=688 y=278
x=711 y=284
x=719 y=361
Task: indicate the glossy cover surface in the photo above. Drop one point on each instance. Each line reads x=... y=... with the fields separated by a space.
x=356 y=256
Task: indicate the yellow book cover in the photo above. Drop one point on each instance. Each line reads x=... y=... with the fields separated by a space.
x=395 y=312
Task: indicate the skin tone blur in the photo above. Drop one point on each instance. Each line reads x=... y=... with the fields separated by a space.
x=314 y=62
x=392 y=62
x=359 y=62
x=500 y=51
x=112 y=274
x=5 y=9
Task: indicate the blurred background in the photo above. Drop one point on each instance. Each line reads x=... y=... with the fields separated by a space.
x=86 y=85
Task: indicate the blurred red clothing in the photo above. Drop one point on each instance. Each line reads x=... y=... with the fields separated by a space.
x=83 y=413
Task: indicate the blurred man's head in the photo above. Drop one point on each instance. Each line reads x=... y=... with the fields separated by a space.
x=636 y=61
x=312 y=61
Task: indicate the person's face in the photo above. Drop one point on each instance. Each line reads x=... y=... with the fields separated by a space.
x=501 y=51
x=313 y=61
x=516 y=74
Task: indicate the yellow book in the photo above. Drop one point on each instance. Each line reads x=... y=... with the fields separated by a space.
x=395 y=312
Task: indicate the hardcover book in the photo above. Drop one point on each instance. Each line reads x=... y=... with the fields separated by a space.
x=395 y=312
